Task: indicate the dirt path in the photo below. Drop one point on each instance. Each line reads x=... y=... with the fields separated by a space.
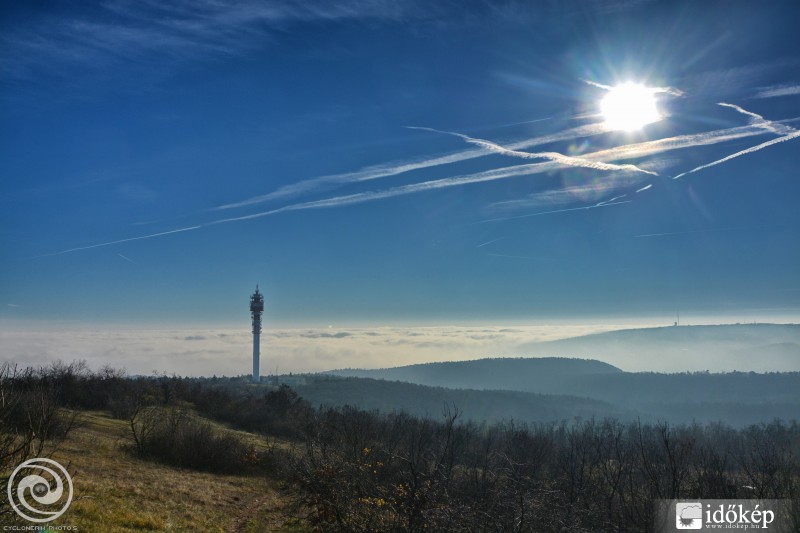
x=261 y=512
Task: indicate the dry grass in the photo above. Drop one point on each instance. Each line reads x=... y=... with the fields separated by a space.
x=115 y=491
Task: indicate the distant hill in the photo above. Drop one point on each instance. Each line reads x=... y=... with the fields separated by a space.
x=477 y=405
x=723 y=348
x=546 y=374
x=647 y=397
x=764 y=385
x=594 y=379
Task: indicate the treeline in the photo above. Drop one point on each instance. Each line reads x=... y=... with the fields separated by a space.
x=368 y=472
x=352 y=470
x=477 y=405
x=742 y=407
x=697 y=387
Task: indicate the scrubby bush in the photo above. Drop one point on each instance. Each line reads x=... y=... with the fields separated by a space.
x=277 y=412
x=176 y=437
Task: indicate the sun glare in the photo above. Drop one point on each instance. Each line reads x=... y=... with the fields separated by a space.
x=629 y=106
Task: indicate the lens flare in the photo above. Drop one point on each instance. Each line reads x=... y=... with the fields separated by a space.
x=629 y=106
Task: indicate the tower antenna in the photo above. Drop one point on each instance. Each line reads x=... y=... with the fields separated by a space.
x=256 y=308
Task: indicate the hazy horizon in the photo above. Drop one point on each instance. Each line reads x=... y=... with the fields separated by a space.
x=205 y=351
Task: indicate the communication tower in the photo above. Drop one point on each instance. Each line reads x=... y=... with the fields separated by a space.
x=256 y=308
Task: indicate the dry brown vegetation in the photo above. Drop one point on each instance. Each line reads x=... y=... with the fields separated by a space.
x=116 y=491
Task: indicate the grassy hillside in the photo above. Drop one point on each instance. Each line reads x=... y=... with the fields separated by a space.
x=115 y=491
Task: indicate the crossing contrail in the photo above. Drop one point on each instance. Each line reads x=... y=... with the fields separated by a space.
x=552 y=156
x=759 y=121
x=385 y=170
x=629 y=151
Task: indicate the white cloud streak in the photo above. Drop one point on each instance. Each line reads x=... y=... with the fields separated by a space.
x=620 y=152
x=393 y=169
x=195 y=30
x=99 y=245
x=760 y=122
x=741 y=153
x=612 y=201
x=592 y=191
x=778 y=90
x=556 y=211
x=598 y=85
x=487 y=243
x=565 y=160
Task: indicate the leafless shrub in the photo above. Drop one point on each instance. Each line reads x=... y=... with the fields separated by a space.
x=174 y=436
x=31 y=423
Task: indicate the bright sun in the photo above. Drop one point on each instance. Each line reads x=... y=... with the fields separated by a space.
x=629 y=106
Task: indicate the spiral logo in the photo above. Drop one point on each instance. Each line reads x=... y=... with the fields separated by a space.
x=36 y=496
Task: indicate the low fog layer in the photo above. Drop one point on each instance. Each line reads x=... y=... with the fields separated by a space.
x=723 y=348
x=196 y=352
x=215 y=351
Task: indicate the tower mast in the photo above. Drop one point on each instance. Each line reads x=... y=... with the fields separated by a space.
x=256 y=308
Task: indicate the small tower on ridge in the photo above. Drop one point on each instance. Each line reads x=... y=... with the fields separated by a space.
x=256 y=308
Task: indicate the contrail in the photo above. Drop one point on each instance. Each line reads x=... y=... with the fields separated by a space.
x=679 y=142
x=759 y=121
x=121 y=241
x=552 y=156
x=644 y=188
x=532 y=121
x=490 y=242
x=562 y=196
x=582 y=208
x=128 y=259
x=621 y=152
x=710 y=230
x=393 y=169
x=598 y=85
x=750 y=114
x=742 y=152
x=611 y=201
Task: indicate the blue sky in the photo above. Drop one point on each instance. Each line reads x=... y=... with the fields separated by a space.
x=274 y=136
